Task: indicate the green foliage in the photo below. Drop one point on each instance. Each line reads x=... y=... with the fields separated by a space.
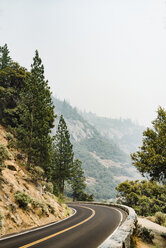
x=104 y=148
x=12 y=80
x=93 y=141
x=11 y=141
x=12 y=208
x=51 y=209
x=49 y=187
x=160 y=218
x=4 y=57
x=77 y=180
x=9 y=136
x=119 y=131
x=145 y=197
x=66 y=110
x=85 y=197
x=67 y=213
x=151 y=158
x=41 y=205
x=27 y=109
x=1 y=219
x=4 y=155
x=163 y=235
x=36 y=116
x=63 y=156
x=56 y=190
x=61 y=199
x=103 y=177
x=37 y=173
x=20 y=156
x=145 y=234
x=22 y=199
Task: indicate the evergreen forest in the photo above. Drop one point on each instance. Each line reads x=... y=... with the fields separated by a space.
x=27 y=112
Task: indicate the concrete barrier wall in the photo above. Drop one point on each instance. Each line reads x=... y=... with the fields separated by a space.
x=121 y=238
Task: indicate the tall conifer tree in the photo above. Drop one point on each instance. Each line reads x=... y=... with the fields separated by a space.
x=4 y=57
x=150 y=160
x=63 y=157
x=77 y=181
x=37 y=116
x=12 y=80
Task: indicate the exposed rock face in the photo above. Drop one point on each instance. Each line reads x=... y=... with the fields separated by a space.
x=90 y=181
x=79 y=130
x=124 y=132
x=108 y=163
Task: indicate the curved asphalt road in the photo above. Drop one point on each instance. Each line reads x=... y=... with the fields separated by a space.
x=88 y=228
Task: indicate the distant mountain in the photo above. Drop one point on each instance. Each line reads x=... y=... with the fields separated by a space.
x=104 y=162
x=124 y=132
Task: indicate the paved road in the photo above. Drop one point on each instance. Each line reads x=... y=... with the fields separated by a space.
x=88 y=228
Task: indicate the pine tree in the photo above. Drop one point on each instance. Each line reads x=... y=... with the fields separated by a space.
x=12 y=80
x=150 y=160
x=78 y=180
x=37 y=116
x=63 y=156
x=4 y=57
x=145 y=197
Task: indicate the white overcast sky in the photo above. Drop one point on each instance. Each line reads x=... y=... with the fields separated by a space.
x=103 y=56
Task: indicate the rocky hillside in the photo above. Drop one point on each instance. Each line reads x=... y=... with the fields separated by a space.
x=24 y=202
x=124 y=132
x=104 y=162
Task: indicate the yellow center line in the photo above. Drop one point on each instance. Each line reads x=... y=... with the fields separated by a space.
x=60 y=232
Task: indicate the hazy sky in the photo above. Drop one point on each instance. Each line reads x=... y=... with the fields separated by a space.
x=104 y=56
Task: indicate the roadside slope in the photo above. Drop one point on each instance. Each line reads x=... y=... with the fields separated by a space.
x=41 y=206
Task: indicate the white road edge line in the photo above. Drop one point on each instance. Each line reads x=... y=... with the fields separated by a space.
x=38 y=228
x=121 y=218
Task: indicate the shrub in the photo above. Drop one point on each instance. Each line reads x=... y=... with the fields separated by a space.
x=160 y=218
x=67 y=212
x=163 y=235
x=9 y=136
x=55 y=189
x=82 y=196
x=20 y=156
x=22 y=199
x=11 y=141
x=61 y=199
x=12 y=208
x=3 y=180
x=49 y=187
x=1 y=219
x=145 y=197
x=4 y=154
x=51 y=209
x=145 y=234
x=37 y=173
x=39 y=204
